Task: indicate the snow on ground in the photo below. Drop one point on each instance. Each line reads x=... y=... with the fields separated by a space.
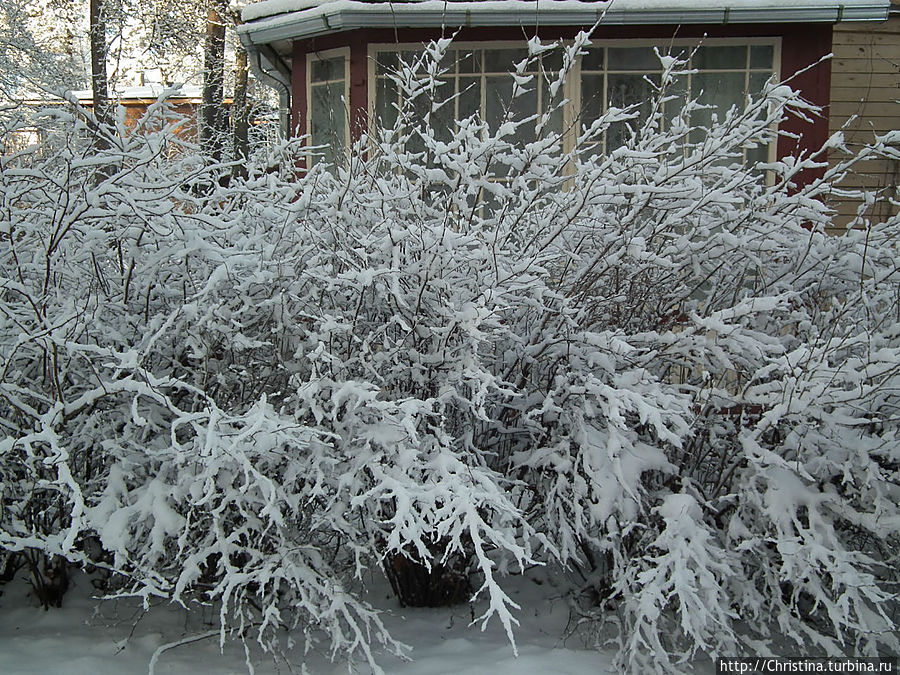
x=118 y=638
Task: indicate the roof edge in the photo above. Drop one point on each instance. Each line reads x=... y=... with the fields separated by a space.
x=343 y=15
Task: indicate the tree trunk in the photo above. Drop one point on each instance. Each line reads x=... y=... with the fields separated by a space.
x=240 y=112
x=212 y=114
x=417 y=585
x=99 y=81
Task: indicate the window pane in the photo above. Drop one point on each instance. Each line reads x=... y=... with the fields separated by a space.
x=758 y=81
x=442 y=120
x=626 y=89
x=681 y=52
x=420 y=107
x=469 y=101
x=524 y=106
x=410 y=58
x=328 y=118
x=762 y=56
x=502 y=60
x=677 y=92
x=469 y=62
x=629 y=90
x=556 y=117
x=552 y=62
x=327 y=69
x=592 y=60
x=387 y=62
x=385 y=100
x=591 y=97
x=720 y=58
x=499 y=101
x=498 y=92
x=633 y=58
x=758 y=154
x=722 y=90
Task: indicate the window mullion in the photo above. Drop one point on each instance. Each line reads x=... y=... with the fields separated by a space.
x=571 y=118
x=482 y=112
x=605 y=102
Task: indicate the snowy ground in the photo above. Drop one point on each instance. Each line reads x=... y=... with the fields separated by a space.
x=119 y=639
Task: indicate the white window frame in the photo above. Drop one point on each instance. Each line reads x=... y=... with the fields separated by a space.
x=465 y=47
x=666 y=46
x=572 y=88
x=311 y=57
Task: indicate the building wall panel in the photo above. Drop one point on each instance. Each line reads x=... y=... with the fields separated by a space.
x=865 y=100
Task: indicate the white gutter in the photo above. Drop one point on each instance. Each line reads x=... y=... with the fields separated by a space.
x=278 y=81
x=344 y=15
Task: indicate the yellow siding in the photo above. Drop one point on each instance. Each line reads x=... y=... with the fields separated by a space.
x=865 y=82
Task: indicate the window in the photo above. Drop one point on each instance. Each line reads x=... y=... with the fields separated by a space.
x=727 y=73
x=480 y=82
x=618 y=73
x=328 y=119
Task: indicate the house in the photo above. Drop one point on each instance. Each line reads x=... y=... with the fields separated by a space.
x=184 y=101
x=323 y=53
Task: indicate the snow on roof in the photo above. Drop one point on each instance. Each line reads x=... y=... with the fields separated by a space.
x=259 y=10
x=272 y=21
x=267 y=8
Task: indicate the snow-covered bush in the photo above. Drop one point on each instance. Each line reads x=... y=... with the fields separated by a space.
x=454 y=357
x=139 y=307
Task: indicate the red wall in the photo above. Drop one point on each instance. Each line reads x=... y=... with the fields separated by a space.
x=801 y=48
x=298 y=88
